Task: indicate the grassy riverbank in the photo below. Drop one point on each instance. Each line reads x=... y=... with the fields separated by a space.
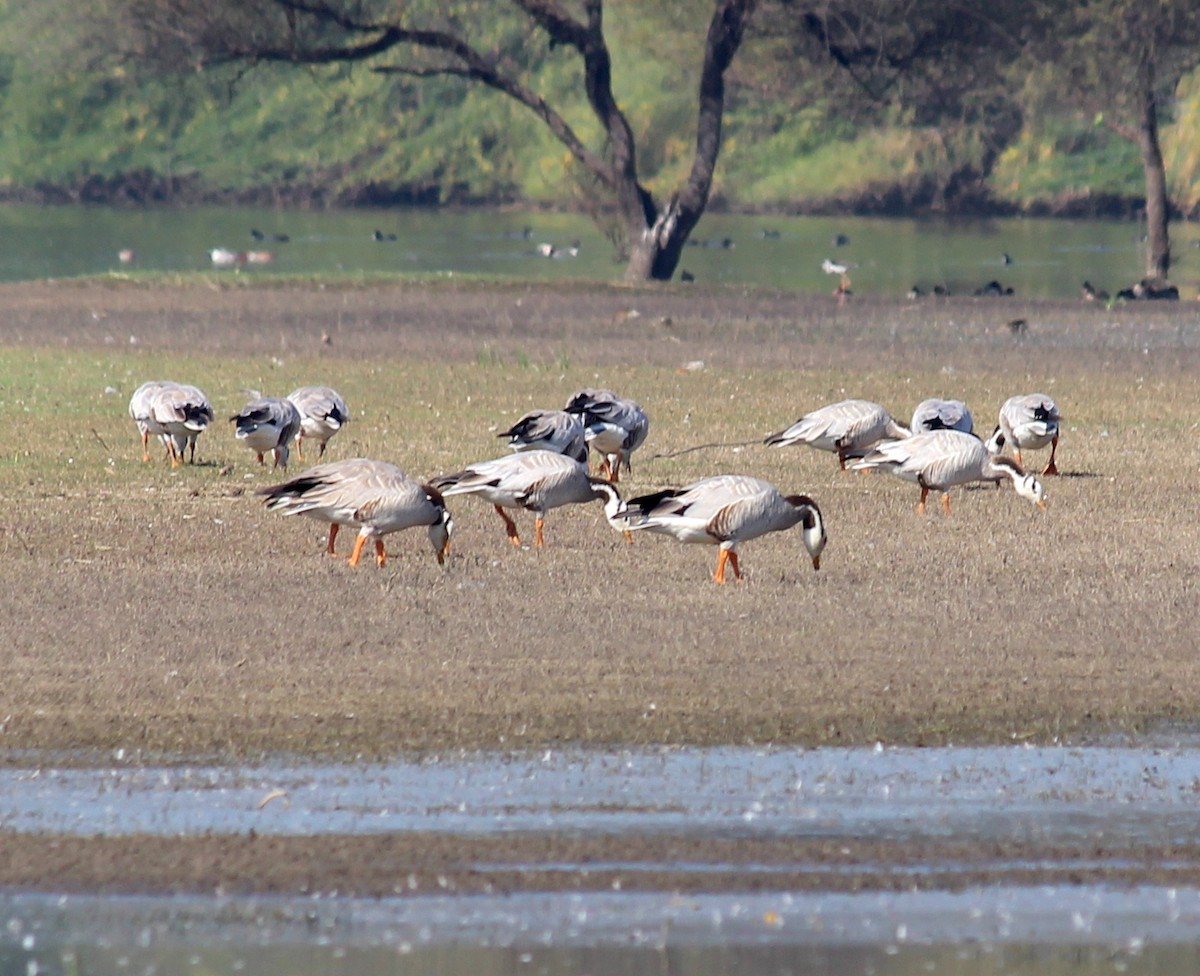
x=166 y=613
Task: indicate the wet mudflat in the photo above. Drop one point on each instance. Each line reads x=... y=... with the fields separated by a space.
x=877 y=859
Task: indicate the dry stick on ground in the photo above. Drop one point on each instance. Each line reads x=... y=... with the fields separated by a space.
x=701 y=447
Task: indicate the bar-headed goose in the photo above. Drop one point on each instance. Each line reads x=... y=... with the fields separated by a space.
x=847 y=428
x=184 y=413
x=936 y=414
x=268 y=424
x=943 y=459
x=549 y=430
x=725 y=511
x=322 y=413
x=614 y=426
x=141 y=410
x=536 y=481
x=375 y=497
x=1028 y=422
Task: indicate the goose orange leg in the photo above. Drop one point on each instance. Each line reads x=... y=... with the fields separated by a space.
x=333 y=532
x=359 y=543
x=1052 y=468
x=509 y=526
x=946 y=502
x=538 y=539
x=380 y=553
x=921 y=503
x=726 y=556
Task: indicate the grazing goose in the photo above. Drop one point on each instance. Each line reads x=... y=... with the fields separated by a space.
x=549 y=430
x=847 y=428
x=615 y=427
x=942 y=459
x=268 y=424
x=726 y=511
x=1028 y=422
x=184 y=413
x=141 y=410
x=322 y=413
x=533 y=480
x=935 y=414
x=375 y=497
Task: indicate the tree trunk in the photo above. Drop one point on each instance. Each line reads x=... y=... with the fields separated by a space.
x=1158 y=242
x=657 y=237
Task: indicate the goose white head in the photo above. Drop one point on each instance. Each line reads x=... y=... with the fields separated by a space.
x=1028 y=486
x=614 y=506
x=995 y=443
x=439 y=536
x=812 y=525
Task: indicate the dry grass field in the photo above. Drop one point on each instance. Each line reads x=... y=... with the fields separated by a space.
x=166 y=614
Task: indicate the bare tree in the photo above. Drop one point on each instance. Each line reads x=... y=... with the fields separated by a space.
x=425 y=40
x=1119 y=63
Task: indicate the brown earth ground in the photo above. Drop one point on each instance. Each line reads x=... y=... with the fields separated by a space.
x=166 y=614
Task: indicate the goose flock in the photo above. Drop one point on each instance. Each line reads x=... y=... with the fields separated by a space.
x=548 y=467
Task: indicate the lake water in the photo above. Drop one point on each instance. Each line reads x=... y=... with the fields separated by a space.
x=1049 y=258
x=980 y=794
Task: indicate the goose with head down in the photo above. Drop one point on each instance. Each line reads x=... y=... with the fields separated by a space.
x=375 y=497
x=1028 y=422
x=536 y=481
x=726 y=511
x=268 y=424
x=322 y=414
x=141 y=410
x=549 y=430
x=938 y=414
x=847 y=428
x=614 y=427
x=182 y=413
x=943 y=459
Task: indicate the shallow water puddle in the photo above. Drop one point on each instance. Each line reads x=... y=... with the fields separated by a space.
x=1060 y=930
x=883 y=792
x=1049 y=794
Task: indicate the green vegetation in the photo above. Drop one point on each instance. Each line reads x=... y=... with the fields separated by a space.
x=346 y=135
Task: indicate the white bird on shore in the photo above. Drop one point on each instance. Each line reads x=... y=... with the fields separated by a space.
x=375 y=497
x=549 y=430
x=536 y=481
x=222 y=257
x=183 y=413
x=726 y=511
x=268 y=424
x=1028 y=422
x=614 y=426
x=936 y=414
x=944 y=459
x=842 y=270
x=847 y=428
x=322 y=414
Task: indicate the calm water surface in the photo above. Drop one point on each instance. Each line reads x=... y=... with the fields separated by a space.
x=1049 y=258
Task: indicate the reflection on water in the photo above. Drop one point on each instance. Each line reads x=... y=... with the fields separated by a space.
x=1044 y=930
x=1046 y=258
